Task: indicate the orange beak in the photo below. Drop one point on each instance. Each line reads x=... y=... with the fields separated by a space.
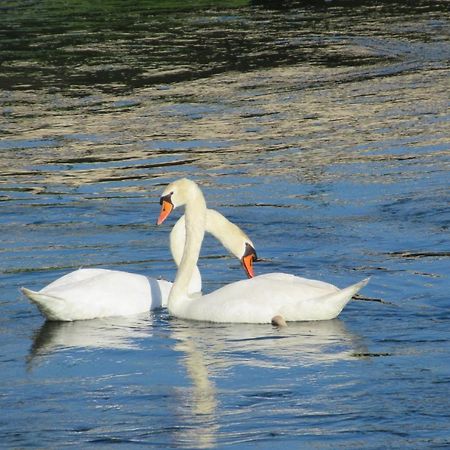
x=248 y=259
x=247 y=262
x=166 y=209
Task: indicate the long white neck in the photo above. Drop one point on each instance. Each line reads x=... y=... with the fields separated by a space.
x=195 y=222
x=177 y=243
x=229 y=234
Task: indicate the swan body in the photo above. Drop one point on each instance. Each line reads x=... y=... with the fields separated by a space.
x=96 y=293
x=262 y=298
x=257 y=300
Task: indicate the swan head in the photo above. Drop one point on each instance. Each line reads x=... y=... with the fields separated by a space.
x=175 y=194
x=180 y=192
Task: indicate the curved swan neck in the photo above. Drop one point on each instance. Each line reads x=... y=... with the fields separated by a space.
x=195 y=222
x=177 y=242
x=229 y=234
x=226 y=232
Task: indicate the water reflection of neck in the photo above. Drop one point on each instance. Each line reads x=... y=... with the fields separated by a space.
x=201 y=406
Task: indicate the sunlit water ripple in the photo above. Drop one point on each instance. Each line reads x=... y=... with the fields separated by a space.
x=323 y=132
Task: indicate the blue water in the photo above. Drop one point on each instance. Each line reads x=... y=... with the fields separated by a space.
x=324 y=133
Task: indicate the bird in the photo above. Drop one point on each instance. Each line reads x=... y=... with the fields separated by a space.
x=92 y=293
x=271 y=298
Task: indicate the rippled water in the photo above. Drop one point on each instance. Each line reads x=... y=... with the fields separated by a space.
x=323 y=132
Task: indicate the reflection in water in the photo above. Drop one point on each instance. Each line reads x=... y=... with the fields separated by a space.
x=304 y=343
x=108 y=333
x=312 y=342
x=200 y=409
x=326 y=87
x=210 y=351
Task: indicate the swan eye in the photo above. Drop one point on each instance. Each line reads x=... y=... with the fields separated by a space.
x=166 y=198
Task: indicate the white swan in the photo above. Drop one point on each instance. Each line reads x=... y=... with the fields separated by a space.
x=276 y=297
x=96 y=293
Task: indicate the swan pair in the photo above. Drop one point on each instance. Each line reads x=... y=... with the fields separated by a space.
x=97 y=293
x=272 y=298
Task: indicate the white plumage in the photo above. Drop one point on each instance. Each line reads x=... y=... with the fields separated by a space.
x=257 y=300
x=96 y=293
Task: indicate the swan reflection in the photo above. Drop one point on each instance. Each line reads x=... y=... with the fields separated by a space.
x=301 y=343
x=211 y=351
x=198 y=406
x=107 y=333
x=207 y=353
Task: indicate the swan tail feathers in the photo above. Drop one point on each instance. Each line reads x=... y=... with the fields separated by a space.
x=50 y=306
x=333 y=304
x=354 y=288
x=347 y=293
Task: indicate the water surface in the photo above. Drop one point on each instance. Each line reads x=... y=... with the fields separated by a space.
x=323 y=132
